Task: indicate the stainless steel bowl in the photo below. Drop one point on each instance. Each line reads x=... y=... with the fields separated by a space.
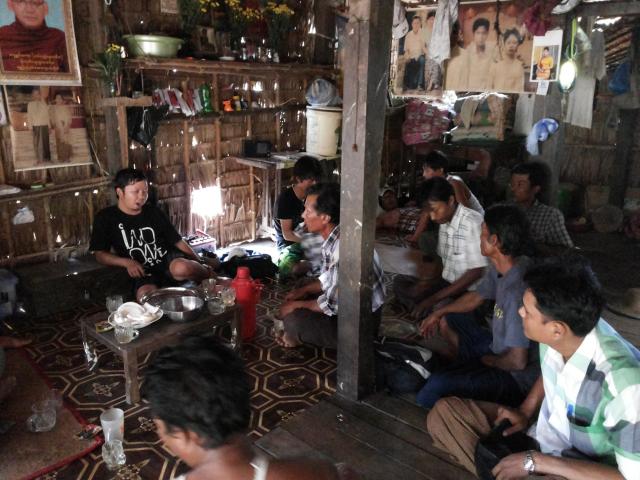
x=179 y=304
x=153 y=45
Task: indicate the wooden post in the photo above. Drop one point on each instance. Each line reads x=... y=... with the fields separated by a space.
x=252 y=194
x=366 y=80
x=325 y=23
x=46 y=201
x=186 y=160
x=621 y=166
x=550 y=106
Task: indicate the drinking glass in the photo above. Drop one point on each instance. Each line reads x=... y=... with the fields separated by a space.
x=43 y=418
x=208 y=285
x=124 y=332
x=113 y=302
x=215 y=305
x=228 y=295
x=112 y=422
x=113 y=454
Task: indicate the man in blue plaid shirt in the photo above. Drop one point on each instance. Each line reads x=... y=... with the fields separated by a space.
x=587 y=401
x=310 y=313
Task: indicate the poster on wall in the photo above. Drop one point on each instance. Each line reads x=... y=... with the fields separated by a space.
x=37 y=43
x=545 y=56
x=417 y=75
x=48 y=127
x=169 y=6
x=483 y=60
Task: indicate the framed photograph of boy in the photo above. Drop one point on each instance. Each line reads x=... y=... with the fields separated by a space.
x=48 y=128
x=37 y=43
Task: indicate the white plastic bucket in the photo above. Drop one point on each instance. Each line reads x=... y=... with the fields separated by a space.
x=324 y=126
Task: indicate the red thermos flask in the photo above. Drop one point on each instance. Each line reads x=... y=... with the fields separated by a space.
x=247 y=296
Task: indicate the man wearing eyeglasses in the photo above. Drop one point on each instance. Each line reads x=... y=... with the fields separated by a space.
x=29 y=44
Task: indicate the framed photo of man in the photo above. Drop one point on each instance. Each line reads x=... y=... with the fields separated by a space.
x=48 y=128
x=483 y=60
x=415 y=73
x=37 y=43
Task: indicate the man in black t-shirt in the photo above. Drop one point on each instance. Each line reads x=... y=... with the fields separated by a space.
x=288 y=212
x=140 y=238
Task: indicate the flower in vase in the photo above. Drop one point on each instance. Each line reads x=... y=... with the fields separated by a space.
x=278 y=17
x=192 y=12
x=240 y=17
x=109 y=61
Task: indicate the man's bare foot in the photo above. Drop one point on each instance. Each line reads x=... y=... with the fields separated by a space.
x=14 y=342
x=286 y=341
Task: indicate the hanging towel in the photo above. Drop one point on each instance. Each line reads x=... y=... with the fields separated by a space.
x=541 y=130
x=400 y=24
x=446 y=15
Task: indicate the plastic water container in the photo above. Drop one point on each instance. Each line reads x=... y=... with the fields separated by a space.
x=8 y=283
x=324 y=128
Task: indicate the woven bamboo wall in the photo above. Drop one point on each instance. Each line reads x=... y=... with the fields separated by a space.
x=589 y=153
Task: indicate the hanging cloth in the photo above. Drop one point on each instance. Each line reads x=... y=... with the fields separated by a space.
x=400 y=24
x=440 y=46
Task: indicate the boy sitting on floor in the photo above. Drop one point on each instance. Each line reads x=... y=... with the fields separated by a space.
x=143 y=239
x=287 y=214
x=458 y=247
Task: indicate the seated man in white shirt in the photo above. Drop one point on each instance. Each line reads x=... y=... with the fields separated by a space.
x=458 y=247
x=588 y=397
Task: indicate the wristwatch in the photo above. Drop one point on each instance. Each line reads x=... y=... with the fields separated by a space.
x=528 y=462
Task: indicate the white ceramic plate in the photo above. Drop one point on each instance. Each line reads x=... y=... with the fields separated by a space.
x=138 y=324
x=227 y=59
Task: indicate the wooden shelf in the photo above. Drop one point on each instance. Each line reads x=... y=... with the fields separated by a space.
x=184 y=65
x=178 y=117
x=126 y=102
x=27 y=195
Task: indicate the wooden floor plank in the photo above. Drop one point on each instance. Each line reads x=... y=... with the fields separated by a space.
x=281 y=444
x=405 y=433
x=403 y=411
x=371 y=451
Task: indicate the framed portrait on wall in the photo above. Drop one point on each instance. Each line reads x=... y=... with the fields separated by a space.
x=545 y=56
x=483 y=60
x=37 y=43
x=48 y=127
x=415 y=74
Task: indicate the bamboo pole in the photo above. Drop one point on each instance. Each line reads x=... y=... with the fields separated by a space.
x=47 y=218
x=186 y=155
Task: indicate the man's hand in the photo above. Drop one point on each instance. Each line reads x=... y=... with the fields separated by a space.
x=519 y=420
x=295 y=294
x=288 y=307
x=134 y=269
x=423 y=307
x=429 y=326
x=511 y=466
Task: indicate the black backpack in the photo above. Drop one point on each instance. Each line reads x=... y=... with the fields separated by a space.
x=260 y=265
x=401 y=365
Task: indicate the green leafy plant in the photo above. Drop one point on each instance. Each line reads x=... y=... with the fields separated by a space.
x=192 y=12
x=110 y=61
x=278 y=18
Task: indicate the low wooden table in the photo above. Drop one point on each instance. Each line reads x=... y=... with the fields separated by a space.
x=152 y=338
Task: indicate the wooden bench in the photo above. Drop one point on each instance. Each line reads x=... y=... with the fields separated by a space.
x=382 y=437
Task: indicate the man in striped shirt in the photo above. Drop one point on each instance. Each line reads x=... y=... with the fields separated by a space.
x=310 y=313
x=588 y=397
